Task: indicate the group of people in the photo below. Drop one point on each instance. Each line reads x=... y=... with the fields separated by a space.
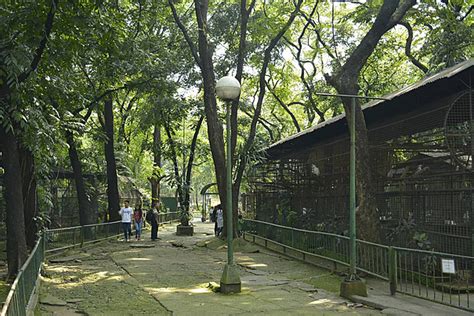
x=217 y=216
x=138 y=217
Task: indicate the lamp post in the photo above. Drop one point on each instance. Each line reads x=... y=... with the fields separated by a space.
x=228 y=89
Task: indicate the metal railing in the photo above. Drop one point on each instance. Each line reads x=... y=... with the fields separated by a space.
x=69 y=237
x=415 y=272
x=24 y=285
x=168 y=217
x=436 y=276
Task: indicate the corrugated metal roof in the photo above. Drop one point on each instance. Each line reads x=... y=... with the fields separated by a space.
x=448 y=72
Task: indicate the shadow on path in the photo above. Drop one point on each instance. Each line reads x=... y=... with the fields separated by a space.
x=174 y=276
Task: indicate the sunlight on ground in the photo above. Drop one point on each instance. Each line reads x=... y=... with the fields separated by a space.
x=256 y=265
x=80 y=280
x=321 y=301
x=138 y=259
x=200 y=289
x=250 y=263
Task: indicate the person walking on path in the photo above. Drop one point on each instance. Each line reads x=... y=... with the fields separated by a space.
x=138 y=219
x=152 y=218
x=214 y=218
x=126 y=214
x=220 y=220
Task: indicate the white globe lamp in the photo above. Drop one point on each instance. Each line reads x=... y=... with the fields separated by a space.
x=228 y=88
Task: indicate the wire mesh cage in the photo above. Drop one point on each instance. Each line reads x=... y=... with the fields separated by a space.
x=422 y=169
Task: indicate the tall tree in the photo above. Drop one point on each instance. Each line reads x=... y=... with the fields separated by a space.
x=203 y=56
x=112 y=180
x=345 y=81
x=85 y=216
x=30 y=198
x=157 y=174
x=11 y=77
x=183 y=178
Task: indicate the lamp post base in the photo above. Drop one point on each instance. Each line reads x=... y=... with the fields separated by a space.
x=230 y=280
x=353 y=287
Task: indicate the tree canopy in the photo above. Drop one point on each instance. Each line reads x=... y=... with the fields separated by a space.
x=124 y=90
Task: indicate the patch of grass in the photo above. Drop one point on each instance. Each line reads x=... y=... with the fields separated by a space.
x=328 y=282
x=4 y=289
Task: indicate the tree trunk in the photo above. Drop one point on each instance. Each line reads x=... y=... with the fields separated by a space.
x=177 y=177
x=82 y=197
x=368 y=225
x=155 y=179
x=30 y=202
x=214 y=127
x=112 y=181
x=345 y=81
x=16 y=242
x=189 y=168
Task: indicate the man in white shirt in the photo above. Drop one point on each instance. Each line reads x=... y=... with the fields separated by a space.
x=126 y=212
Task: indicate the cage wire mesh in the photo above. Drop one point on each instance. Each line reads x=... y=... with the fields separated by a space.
x=422 y=169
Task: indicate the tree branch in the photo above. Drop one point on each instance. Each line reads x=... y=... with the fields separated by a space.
x=192 y=150
x=264 y=124
x=183 y=29
x=174 y=159
x=467 y=13
x=48 y=26
x=408 y=53
x=244 y=18
x=285 y=107
x=258 y=108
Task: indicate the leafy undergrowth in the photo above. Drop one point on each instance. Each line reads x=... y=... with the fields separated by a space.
x=4 y=289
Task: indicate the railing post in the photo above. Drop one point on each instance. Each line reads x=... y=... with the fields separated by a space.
x=24 y=300
x=292 y=238
x=392 y=270
x=45 y=241
x=82 y=236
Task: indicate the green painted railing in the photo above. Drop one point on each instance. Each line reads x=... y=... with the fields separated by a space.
x=77 y=236
x=411 y=271
x=23 y=287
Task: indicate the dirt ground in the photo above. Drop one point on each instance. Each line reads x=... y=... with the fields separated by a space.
x=177 y=275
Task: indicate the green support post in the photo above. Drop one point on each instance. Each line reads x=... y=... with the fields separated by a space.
x=392 y=270
x=352 y=197
x=471 y=214
x=230 y=229
x=352 y=285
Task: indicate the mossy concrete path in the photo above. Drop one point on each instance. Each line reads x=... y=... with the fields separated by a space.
x=177 y=275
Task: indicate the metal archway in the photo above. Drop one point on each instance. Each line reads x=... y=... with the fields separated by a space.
x=204 y=194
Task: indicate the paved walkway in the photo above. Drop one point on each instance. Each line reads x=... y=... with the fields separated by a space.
x=176 y=276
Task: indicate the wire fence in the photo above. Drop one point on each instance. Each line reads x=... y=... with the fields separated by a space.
x=23 y=288
x=440 y=277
